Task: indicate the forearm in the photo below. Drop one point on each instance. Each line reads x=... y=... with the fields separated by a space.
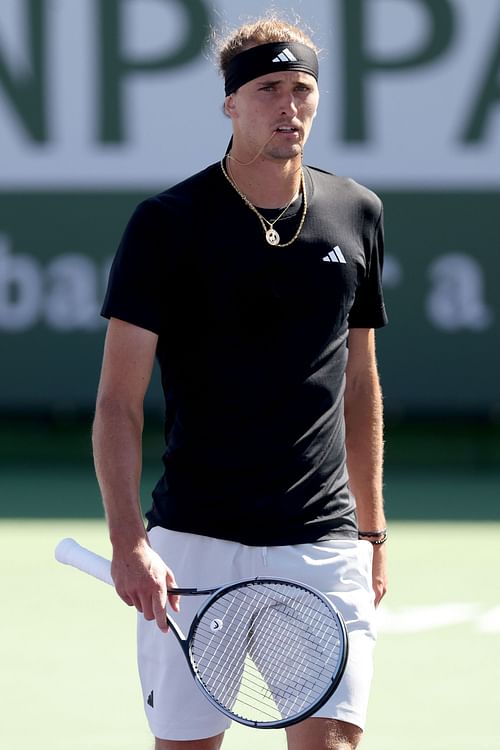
x=140 y=576
x=117 y=446
x=364 y=445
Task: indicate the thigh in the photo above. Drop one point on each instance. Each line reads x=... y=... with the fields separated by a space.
x=211 y=743
x=340 y=569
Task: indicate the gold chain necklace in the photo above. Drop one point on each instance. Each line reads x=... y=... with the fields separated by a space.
x=270 y=232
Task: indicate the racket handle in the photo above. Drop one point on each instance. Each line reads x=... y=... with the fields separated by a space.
x=69 y=552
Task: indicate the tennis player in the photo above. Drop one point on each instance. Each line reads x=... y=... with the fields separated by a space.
x=256 y=284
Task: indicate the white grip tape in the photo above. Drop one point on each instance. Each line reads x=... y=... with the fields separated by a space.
x=69 y=552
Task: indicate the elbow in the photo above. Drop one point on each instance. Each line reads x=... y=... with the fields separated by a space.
x=114 y=412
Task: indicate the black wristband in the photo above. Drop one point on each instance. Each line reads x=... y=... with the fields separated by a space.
x=375 y=537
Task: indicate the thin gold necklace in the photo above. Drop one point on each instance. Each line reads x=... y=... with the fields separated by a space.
x=270 y=232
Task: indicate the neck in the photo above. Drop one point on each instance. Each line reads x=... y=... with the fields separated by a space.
x=268 y=183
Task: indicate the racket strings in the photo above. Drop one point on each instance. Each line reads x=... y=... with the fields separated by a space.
x=289 y=671
x=302 y=671
x=277 y=685
x=316 y=649
x=274 y=653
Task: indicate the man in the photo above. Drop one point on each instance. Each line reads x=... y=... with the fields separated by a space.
x=257 y=284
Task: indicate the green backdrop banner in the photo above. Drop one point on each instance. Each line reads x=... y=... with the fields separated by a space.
x=440 y=353
x=105 y=101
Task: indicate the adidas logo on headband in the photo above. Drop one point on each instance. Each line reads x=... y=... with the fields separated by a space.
x=285 y=56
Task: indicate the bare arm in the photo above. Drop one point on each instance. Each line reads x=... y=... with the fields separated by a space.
x=140 y=576
x=364 y=442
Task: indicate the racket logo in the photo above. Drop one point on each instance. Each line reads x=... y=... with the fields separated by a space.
x=216 y=625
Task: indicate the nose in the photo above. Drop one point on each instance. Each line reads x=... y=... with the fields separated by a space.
x=288 y=104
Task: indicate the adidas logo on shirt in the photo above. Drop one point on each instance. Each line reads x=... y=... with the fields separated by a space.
x=335 y=256
x=285 y=56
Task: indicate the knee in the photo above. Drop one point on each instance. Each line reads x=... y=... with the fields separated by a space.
x=324 y=734
x=344 y=736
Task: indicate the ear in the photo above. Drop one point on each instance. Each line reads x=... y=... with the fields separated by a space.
x=316 y=110
x=230 y=106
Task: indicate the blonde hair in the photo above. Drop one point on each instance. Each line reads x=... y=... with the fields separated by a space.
x=270 y=28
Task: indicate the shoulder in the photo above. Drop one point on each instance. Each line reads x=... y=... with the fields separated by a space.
x=158 y=208
x=185 y=193
x=165 y=215
x=346 y=190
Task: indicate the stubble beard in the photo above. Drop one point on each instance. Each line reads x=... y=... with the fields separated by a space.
x=285 y=152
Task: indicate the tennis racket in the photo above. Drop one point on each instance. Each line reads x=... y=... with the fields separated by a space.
x=267 y=652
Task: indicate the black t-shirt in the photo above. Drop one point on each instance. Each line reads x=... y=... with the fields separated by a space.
x=252 y=350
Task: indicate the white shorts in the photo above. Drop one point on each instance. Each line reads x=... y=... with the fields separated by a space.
x=175 y=707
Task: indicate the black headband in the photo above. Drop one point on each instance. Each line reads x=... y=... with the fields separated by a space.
x=267 y=58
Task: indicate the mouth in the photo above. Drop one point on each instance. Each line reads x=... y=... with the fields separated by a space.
x=286 y=129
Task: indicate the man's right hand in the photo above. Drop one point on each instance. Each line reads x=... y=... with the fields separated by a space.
x=141 y=579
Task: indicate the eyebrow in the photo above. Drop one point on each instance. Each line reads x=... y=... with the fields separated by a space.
x=280 y=80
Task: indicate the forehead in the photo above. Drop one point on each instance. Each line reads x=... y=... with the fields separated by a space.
x=284 y=77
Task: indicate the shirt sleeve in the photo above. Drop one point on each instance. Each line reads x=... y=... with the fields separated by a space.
x=368 y=310
x=139 y=270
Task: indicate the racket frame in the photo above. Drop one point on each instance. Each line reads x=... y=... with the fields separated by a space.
x=214 y=595
x=69 y=552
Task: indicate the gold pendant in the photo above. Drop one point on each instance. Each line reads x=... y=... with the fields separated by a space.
x=272 y=236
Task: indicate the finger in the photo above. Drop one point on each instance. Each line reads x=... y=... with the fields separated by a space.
x=151 y=604
x=175 y=602
x=379 y=595
x=159 y=612
x=136 y=602
x=173 y=599
x=129 y=601
x=148 y=610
